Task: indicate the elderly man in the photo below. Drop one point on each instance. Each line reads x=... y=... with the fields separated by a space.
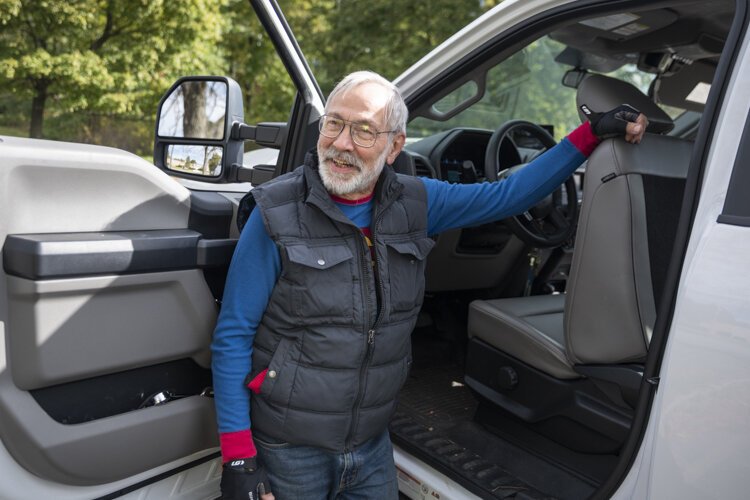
x=324 y=290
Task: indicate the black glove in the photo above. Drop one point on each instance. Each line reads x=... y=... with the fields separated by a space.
x=243 y=479
x=612 y=123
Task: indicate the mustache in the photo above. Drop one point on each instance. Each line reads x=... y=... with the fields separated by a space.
x=344 y=157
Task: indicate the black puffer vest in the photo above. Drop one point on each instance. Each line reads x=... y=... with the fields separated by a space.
x=335 y=336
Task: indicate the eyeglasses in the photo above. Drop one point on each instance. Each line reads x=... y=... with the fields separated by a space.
x=362 y=134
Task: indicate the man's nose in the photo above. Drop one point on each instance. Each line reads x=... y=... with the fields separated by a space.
x=344 y=140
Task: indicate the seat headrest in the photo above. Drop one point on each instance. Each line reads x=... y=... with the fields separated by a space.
x=602 y=93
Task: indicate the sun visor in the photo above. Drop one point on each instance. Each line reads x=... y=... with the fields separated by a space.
x=687 y=88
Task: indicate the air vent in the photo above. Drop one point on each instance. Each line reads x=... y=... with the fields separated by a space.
x=424 y=169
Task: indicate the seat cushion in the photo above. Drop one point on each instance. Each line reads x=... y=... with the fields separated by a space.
x=528 y=328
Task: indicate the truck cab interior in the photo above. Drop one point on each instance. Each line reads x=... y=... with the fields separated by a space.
x=530 y=350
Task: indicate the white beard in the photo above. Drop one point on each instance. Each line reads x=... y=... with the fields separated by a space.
x=363 y=179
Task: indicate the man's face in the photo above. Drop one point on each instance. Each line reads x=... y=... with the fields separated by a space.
x=349 y=170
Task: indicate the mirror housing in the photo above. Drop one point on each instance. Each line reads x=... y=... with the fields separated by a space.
x=573 y=77
x=194 y=126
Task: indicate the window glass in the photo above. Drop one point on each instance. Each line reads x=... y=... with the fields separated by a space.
x=385 y=36
x=527 y=86
x=457 y=98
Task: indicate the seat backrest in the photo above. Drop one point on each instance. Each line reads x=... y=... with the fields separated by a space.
x=632 y=196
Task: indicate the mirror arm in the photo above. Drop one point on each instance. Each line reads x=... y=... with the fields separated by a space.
x=243 y=131
x=255 y=175
x=238 y=173
x=267 y=134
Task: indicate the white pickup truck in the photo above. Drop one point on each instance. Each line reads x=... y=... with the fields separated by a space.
x=597 y=346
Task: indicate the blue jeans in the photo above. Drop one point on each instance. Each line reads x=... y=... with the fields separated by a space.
x=309 y=473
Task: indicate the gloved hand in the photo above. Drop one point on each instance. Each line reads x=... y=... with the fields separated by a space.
x=244 y=479
x=624 y=120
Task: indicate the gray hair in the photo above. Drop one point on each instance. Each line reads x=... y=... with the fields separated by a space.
x=396 y=112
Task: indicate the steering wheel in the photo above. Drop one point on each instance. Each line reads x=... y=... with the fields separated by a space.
x=552 y=221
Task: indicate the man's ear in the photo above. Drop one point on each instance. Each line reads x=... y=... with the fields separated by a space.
x=396 y=146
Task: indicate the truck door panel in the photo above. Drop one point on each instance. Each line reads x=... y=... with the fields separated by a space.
x=105 y=303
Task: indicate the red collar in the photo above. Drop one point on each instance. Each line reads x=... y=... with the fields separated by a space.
x=344 y=201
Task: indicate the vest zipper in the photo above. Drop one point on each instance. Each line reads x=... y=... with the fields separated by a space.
x=360 y=393
x=371 y=332
x=368 y=346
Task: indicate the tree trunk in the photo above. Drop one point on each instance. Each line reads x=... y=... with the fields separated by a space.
x=37 y=109
x=194 y=120
x=206 y=171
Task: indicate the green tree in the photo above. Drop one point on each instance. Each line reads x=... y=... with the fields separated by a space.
x=251 y=59
x=102 y=56
x=337 y=37
x=94 y=70
x=386 y=36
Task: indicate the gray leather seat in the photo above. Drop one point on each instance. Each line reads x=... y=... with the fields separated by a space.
x=527 y=328
x=631 y=202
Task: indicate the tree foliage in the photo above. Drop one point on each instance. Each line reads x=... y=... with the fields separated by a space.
x=337 y=37
x=95 y=69
x=387 y=35
x=104 y=56
x=251 y=59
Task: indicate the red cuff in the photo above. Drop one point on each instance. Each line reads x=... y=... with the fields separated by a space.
x=583 y=139
x=236 y=445
x=255 y=383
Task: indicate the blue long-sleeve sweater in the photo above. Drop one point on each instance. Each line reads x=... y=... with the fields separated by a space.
x=256 y=266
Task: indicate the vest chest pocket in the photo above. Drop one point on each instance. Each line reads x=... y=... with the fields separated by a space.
x=321 y=279
x=406 y=265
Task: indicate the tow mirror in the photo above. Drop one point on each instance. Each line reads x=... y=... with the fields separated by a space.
x=200 y=132
x=194 y=125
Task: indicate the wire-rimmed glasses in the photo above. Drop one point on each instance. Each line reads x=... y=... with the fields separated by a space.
x=362 y=134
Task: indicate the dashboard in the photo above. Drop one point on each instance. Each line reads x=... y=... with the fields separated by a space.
x=462 y=161
x=459 y=155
